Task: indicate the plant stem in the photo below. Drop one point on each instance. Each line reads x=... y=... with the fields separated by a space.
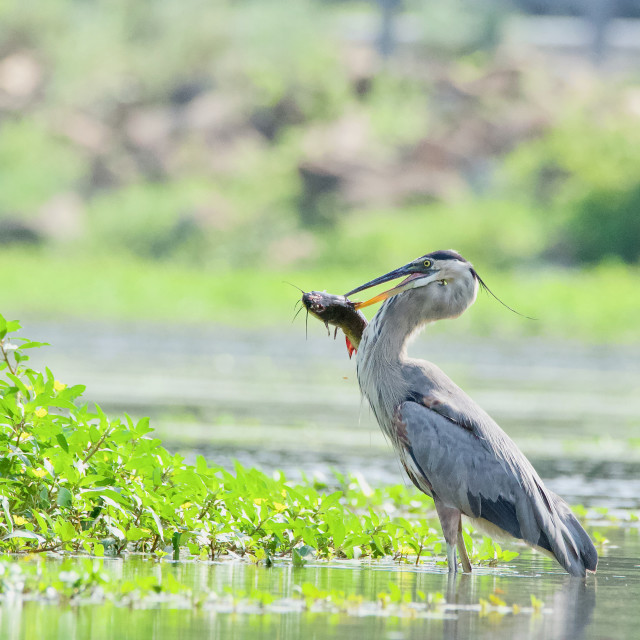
x=6 y=358
x=96 y=446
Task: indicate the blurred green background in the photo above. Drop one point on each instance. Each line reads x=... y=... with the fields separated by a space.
x=174 y=161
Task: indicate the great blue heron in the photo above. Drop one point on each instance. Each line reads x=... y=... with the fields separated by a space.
x=450 y=448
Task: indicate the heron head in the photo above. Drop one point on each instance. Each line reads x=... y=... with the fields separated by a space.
x=441 y=278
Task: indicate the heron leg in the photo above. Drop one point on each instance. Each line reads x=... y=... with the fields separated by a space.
x=462 y=550
x=451 y=523
x=452 y=560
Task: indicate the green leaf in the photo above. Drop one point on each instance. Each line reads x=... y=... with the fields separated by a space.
x=116 y=532
x=29 y=344
x=18 y=382
x=7 y=514
x=65 y=530
x=298 y=559
x=201 y=465
x=42 y=523
x=338 y=531
x=108 y=494
x=62 y=441
x=309 y=536
x=71 y=393
x=64 y=498
x=142 y=427
x=135 y=533
x=156 y=519
x=175 y=543
x=23 y=533
x=90 y=479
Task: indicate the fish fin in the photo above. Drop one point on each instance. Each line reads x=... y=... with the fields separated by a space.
x=350 y=348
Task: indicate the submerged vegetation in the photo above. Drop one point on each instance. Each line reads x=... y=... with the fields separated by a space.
x=87 y=582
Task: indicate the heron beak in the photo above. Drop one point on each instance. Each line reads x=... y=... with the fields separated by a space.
x=413 y=279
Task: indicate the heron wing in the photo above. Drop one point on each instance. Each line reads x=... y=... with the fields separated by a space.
x=430 y=386
x=488 y=479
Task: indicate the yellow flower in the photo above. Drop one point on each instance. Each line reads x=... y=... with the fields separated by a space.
x=259 y=501
x=59 y=386
x=24 y=436
x=40 y=473
x=496 y=600
x=19 y=520
x=279 y=507
x=41 y=412
x=536 y=603
x=186 y=505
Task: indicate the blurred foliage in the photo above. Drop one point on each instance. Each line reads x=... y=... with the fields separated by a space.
x=150 y=220
x=112 y=49
x=606 y=224
x=584 y=173
x=241 y=135
x=276 y=51
x=35 y=166
x=496 y=232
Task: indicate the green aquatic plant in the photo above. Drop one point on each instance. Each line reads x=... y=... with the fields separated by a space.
x=74 y=480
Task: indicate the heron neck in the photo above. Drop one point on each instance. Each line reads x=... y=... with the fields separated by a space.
x=382 y=354
x=392 y=329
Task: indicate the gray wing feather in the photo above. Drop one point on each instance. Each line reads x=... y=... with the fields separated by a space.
x=469 y=463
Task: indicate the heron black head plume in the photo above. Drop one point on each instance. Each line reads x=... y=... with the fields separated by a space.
x=484 y=286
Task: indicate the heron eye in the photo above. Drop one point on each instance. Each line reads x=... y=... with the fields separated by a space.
x=427 y=263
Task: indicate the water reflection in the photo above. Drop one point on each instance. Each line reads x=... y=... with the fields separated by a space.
x=566 y=615
x=573 y=606
x=570 y=609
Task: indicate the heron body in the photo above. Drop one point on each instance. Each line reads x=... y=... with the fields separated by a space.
x=449 y=446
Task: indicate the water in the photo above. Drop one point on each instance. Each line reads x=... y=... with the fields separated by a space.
x=603 y=606
x=275 y=382
x=274 y=401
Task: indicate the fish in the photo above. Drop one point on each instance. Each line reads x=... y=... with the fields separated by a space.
x=339 y=312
